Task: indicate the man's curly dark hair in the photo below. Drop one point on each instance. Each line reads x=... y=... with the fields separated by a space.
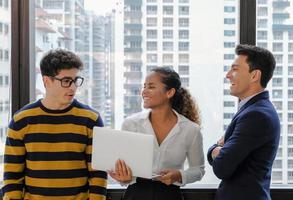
x=56 y=60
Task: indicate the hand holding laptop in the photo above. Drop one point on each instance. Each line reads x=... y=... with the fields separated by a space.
x=122 y=172
x=169 y=176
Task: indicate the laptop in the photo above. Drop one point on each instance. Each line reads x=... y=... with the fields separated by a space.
x=136 y=149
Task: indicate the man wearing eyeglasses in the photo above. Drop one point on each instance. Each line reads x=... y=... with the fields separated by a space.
x=48 y=146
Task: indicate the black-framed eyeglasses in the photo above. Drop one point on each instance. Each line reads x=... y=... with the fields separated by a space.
x=66 y=81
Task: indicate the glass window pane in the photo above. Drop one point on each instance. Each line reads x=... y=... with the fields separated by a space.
x=5 y=75
x=119 y=44
x=274 y=28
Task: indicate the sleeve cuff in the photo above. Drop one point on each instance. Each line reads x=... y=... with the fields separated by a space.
x=183 y=179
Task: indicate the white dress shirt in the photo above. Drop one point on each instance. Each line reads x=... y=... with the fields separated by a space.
x=183 y=141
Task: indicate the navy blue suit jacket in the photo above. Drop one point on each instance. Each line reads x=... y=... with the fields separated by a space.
x=245 y=162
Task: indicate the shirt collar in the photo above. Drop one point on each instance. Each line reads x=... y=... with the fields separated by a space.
x=245 y=100
x=145 y=115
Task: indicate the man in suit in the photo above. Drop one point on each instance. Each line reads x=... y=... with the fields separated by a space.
x=243 y=158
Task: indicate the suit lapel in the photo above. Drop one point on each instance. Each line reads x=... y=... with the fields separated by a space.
x=263 y=95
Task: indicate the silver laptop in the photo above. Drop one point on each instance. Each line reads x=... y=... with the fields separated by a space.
x=136 y=149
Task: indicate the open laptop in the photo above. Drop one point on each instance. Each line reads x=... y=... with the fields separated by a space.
x=136 y=149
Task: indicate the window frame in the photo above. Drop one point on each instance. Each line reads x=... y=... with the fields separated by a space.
x=23 y=85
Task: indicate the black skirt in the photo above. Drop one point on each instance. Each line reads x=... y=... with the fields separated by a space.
x=146 y=189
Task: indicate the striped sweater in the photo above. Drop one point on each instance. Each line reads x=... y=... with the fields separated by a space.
x=48 y=154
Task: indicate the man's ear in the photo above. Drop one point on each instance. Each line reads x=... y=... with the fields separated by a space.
x=46 y=81
x=171 y=93
x=256 y=75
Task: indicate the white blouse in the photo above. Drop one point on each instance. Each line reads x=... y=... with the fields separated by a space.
x=183 y=141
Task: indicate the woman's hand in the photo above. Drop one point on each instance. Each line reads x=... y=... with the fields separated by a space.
x=122 y=172
x=169 y=176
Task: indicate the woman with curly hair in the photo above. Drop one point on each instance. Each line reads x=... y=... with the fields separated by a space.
x=173 y=118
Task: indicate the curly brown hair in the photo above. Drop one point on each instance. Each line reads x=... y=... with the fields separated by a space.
x=58 y=59
x=187 y=106
x=182 y=101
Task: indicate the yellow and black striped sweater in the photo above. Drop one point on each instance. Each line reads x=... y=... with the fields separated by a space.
x=48 y=154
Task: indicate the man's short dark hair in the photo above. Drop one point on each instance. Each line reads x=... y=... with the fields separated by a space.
x=258 y=58
x=56 y=60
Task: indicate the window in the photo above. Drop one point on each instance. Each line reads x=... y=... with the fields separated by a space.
x=168 y=34
x=185 y=81
x=183 y=22
x=167 y=46
x=290 y=152
x=278 y=35
x=290 y=119
x=277 y=82
x=290 y=35
x=277 y=164
x=152 y=58
x=167 y=58
x=262 y=11
x=226 y=92
x=151 y=10
x=262 y=44
x=184 y=58
x=262 y=2
x=228 y=115
x=277 y=46
x=262 y=23
x=168 y=10
x=229 y=9
x=290 y=82
x=290 y=59
x=150 y=67
x=229 y=44
x=290 y=70
x=183 y=69
x=276 y=175
x=5 y=75
x=290 y=47
x=290 y=93
x=279 y=58
x=151 y=46
x=229 y=33
x=278 y=70
x=6 y=55
x=229 y=21
x=151 y=33
x=229 y=103
x=6 y=4
x=167 y=21
x=290 y=139
x=183 y=10
x=229 y=56
x=53 y=4
x=183 y=34
x=262 y=35
x=277 y=93
x=151 y=21
x=183 y=46
x=290 y=176
x=290 y=105
x=6 y=29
